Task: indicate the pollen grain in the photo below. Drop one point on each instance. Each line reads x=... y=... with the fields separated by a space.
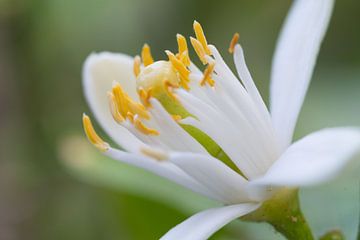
x=92 y=135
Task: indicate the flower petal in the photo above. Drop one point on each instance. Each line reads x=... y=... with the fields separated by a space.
x=246 y=79
x=218 y=178
x=314 y=159
x=164 y=169
x=99 y=72
x=294 y=61
x=202 y=225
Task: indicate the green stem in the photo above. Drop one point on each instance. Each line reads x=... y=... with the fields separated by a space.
x=283 y=212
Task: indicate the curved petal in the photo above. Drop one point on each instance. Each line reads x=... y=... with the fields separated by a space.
x=221 y=180
x=202 y=225
x=314 y=159
x=294 y=61
x=99 y=72
x=247 y=80
x=164 y=169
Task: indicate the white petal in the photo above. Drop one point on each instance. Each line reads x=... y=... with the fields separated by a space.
x=164 y=169
x=237 y=141
x=314 y=159
x=294 y=61
x=171 y=133
x=245 y=76
x=202 y=225
x=99 y=72
x=218 y=178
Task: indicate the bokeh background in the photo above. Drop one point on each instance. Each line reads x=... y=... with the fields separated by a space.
x=54 y=185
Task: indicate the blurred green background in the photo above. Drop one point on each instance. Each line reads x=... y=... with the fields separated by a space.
x=54 y=185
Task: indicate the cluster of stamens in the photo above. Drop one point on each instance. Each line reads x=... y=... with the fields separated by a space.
x=124 y=108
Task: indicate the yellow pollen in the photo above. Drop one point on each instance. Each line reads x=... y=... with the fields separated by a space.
x=181 y=69
x=182 y=57
x=207 y=75
x=168 y=88
x=120 y=99
x=114 y=109
x=199 y=49
x=201 y=37
x=137 y=108
x=153 y=153
x=183 y=49
x=137 y=63
x=233 y=42
x=144 y=129
x=130 y=116
x=146 y=55
x=92 y=135
x=145 y=96
x=126 y=105
x=177 y=118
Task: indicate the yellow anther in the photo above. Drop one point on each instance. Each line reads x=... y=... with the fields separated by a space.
x=233 y=42
x=144 y=129
x=183 y=58
x=145 y=96
x=120 y=99
x=177 y=118
x=154 y=153
x=137 y=63
x=207 y=75
x=130 y=116
x=198 y=49
x=183 y=49
x=184 y=83
x=178 y=65
x=92 y=135
x=125 y=104
x=137 y=108
x=168 y=86
x=201 y=37
x=114 y=109
x=146 y=55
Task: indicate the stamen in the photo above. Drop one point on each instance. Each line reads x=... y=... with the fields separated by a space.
x=207 y=75
x=183 y=49
x=137 y=108
x=120 y=99
x=114 y=109
x=233 y=42
x=146 y=55
x=137 y=63
x=144 y=129
x=154 y=153
x=178 y=65
x=92 y=135
x=168 y=88
x=130 y=116
x=181 y=68
x=145 y=96
x=201 y=37
x=125 y=104
x=177 y=118
x=183 y=58
x=198 y=49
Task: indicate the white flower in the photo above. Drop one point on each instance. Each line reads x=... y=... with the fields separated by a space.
x=176 y=93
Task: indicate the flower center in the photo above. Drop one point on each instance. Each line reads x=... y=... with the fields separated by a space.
x=159 y=79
